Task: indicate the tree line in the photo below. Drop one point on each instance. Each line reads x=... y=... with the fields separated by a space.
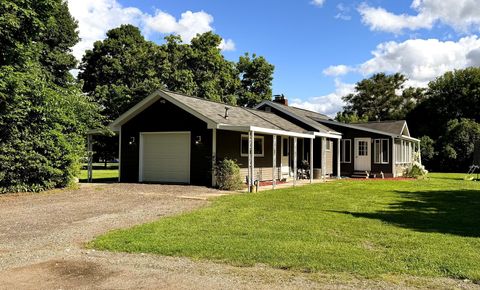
x=445 y=114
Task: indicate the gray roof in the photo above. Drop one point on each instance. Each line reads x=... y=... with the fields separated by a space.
x=392 y=127
x=308 y=117
x=237 y=116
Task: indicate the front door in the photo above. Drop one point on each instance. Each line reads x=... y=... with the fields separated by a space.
x=285 y=166
x=362 y=154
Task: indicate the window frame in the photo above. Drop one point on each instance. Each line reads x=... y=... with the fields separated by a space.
x=378 y=157
x=262 y=138
x=343 y=151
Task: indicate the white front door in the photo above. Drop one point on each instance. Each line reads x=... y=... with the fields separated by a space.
x=362 y=154
x=285 y=166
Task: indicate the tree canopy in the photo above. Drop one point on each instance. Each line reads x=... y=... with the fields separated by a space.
x=43 y=113
x=381 y=97
x=124 y=68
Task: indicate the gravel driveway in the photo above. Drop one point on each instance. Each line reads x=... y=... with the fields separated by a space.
x=42 y=237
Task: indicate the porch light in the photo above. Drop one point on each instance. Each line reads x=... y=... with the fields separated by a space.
x=198 y=140
x=132 y=141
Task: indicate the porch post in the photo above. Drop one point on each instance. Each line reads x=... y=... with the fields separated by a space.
x=274 y=160
x=90 y=157
x=339 y=141
x=394 y=157
x=311 y=160
x=214 y=156
x=324 y=157
x=253 y=158
x=249 y=178
x=294 y=161
x=419 y=153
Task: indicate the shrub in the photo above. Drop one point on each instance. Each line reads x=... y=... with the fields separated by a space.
x=227 y=173
x=417 y=170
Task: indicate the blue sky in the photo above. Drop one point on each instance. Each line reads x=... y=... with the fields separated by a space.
x=319 y=49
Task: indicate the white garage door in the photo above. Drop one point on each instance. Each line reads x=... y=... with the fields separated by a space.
x=165 y=157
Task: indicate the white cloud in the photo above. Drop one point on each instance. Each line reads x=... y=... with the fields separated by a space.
x=329 y=104
x=423 y=59
x=343 y=12
x=318 y=3
x=461 y=15
x=337 y=70
x=227 y=45
x=96 y=17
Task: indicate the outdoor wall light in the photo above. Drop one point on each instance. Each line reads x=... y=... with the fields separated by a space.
x=132 y=141
x=198 y=140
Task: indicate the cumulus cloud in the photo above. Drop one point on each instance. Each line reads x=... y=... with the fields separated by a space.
x=318 y=3
x=421 y=60
x=328 y=104
x=337 y=70
x=461 y=15
x=96 y=17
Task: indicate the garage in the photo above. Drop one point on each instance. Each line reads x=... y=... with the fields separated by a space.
x=164 y=157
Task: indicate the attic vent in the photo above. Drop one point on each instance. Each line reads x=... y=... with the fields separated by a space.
x=268 y=109
x=226 y=112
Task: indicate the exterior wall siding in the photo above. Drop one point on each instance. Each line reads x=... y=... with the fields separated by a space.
x=166 y=117
x=347 y=169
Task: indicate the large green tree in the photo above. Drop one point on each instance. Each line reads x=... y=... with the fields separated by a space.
x=256 y=75
x=382 y=97
x=120 y=70
x=43 y=113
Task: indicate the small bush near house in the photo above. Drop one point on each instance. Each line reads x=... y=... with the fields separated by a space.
x=417 y=170
x=228 y=175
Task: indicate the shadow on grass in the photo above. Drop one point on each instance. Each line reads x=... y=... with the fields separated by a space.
x=455 y=212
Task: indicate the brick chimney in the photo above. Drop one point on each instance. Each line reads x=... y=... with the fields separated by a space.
x=280 y=99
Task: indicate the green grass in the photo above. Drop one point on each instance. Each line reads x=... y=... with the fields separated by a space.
x=100 y=175
x=366 y=228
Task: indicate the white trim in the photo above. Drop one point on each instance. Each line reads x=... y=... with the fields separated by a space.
x=328 y=145
x=214 y=156
x=266 y=131
x=394 y=158
x=274 y=160
x=255 y=137
x=334 y=136
x=119 y=153
x=311 y=123
x=148 y=101
x=140 y=151
x=367 y=130
x=382 y=150
x=403 y=129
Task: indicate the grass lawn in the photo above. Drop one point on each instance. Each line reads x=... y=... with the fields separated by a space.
x=366 y=228
x=100 y=175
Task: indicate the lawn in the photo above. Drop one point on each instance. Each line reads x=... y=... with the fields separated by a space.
x=100 y=175
x=366 y=228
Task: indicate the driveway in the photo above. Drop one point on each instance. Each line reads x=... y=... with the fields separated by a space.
x=42 y=237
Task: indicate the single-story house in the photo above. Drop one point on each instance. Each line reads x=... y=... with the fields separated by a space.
x=374 y=148
x=174 y=138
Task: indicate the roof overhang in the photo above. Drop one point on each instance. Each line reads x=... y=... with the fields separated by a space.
x=309 y=135
x=407 y=138
x=328 y=135
x=148 y=101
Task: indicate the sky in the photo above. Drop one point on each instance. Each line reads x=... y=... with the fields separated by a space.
x=320 y=48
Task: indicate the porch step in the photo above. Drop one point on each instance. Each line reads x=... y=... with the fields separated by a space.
x=360 y=174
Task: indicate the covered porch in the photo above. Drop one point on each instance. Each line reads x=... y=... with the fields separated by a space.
x=277 y=157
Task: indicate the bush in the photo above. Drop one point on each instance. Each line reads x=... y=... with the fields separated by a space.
x=227 y=173
x=417 y=170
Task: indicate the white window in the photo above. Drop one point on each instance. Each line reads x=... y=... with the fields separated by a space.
x=258 y=146
x=345 y=151
x=404 y=151
x=328 y=145
x=380 y=151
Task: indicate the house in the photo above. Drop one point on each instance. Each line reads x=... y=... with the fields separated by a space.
x=374 y=148
x=174 y=138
